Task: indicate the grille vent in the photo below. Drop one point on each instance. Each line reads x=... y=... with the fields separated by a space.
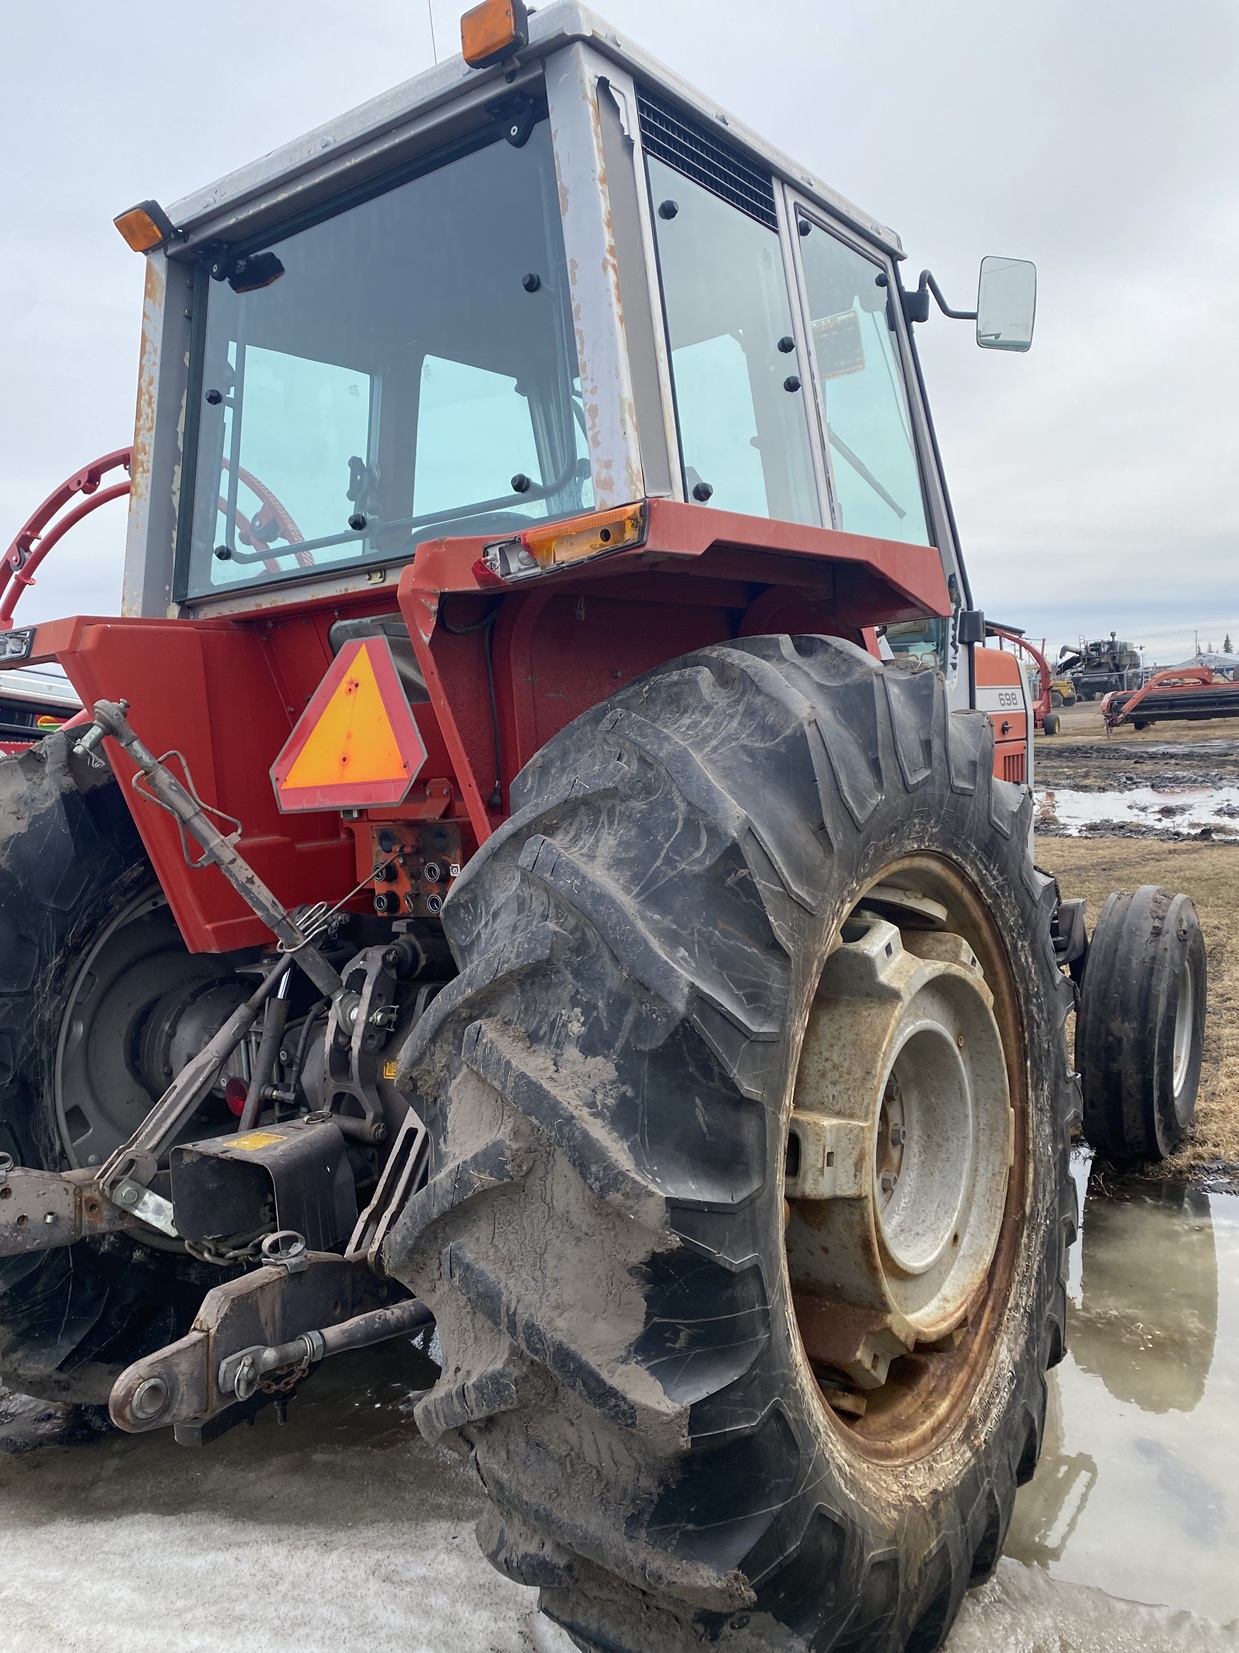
x=705 y=158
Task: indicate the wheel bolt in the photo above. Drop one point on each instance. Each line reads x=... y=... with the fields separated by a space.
x=889 y=1179
x=898 y=1136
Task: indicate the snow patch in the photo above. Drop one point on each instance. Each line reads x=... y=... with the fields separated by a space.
x=1185 y=814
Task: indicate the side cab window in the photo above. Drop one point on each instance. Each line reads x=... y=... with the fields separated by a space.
x=862 y=399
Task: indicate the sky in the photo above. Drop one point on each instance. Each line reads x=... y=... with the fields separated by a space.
x=1095 y=480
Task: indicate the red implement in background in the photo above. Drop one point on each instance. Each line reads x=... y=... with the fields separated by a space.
x=1180 y=694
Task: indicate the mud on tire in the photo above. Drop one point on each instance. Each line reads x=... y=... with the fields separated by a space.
x=70 y=858
x=607 y=1084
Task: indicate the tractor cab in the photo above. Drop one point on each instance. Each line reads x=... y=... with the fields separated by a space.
x=550 y=284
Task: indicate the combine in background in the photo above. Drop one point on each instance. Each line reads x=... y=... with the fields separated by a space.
x=1102 y=667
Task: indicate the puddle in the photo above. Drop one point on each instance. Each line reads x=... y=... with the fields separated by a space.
x=1137 y=1491
x=1149 y=811
x=344 y=1529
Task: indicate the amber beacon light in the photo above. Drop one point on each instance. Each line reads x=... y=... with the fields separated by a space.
x=493 y=31
x=145 y=226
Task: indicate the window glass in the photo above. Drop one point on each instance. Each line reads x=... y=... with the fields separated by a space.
x=473 y=435
x=873 y=459
x=300 y=416
x=407 y=363
x=743 y=435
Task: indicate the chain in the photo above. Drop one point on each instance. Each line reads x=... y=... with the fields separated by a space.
x=286 y=1379
x=247 y=1249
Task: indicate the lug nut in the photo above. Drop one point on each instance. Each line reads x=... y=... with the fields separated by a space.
x=889 y=1179
x=898 y=1136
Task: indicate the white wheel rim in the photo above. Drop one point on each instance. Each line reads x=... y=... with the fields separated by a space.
x=903 y=1135
x=1184 y=1028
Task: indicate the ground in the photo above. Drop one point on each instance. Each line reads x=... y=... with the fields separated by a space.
x=345 y=1529
x=1175 y=759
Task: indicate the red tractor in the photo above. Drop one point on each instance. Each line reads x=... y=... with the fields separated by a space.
x=546 y=852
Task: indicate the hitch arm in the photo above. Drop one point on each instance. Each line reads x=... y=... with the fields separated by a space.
x=42 y=1210
x=110 y=719
x=285 y=1316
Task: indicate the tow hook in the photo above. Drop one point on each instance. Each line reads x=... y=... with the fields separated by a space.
x=255 y=1338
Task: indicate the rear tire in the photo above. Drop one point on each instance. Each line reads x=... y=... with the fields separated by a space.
x=604 y=1236
x=1140 y=1029
x=70 y=862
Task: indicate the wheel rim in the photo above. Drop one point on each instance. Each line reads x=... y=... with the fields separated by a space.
x=1184 y=1031
x=135 y=961
x=898 y=1256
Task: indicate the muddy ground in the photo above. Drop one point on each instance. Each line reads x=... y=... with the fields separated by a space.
x=1167 y=756
x=345 y=1530
x=1170 y=758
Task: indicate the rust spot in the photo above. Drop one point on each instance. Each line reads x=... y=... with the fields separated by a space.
x=154 y=299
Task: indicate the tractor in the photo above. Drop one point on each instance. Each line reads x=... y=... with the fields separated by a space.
x=543 y=867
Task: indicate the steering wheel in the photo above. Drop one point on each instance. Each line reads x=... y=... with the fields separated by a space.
x=255 y=531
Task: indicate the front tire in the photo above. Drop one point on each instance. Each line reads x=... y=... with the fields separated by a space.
x=1141 y=1027
x=643 y=1354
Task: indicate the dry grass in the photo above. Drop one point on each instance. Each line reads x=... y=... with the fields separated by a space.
x=1209 y=873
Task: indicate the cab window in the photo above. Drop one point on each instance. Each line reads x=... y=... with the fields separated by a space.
x=740 y=405
x=877 y=484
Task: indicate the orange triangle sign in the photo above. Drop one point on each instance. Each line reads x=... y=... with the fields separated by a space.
x=356 y=745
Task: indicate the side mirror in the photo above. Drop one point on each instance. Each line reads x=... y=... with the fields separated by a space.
x=1006 y=304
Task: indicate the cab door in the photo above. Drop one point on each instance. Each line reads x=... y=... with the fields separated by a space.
x=882 y=473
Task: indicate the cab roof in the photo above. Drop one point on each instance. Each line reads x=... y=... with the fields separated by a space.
x=327 y=160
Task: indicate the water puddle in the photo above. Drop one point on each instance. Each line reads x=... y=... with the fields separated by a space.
x=1137 y=1491
x=1142 y=811
x=344 y=1529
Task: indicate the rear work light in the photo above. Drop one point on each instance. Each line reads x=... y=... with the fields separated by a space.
x=493 y=31
x=559 y=544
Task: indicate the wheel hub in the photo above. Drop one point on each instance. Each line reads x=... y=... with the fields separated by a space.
x=899 y=1148
x=138 y=1007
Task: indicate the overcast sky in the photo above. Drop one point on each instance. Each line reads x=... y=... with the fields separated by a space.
x=1096 y=480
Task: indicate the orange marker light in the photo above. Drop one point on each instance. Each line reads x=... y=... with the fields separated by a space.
x=145 y=226
x=493 y=31
x=356 y=744
x=580 y=537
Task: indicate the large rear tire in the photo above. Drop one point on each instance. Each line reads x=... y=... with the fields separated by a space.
x=71 y=869
x=666 y=1353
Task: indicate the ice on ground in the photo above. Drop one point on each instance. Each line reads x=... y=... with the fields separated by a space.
x=1022 y=1610
x=1170 y=814
x=345 y=1530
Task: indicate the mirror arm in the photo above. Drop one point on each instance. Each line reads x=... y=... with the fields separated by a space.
x=916 y=305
